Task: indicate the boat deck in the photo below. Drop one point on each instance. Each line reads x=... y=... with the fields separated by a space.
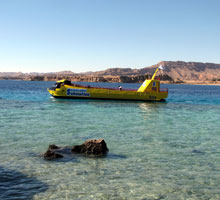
x=124 y=89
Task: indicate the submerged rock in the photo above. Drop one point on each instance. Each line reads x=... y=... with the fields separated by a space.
x=89 y=147
x=50 y=155
x=53 y=146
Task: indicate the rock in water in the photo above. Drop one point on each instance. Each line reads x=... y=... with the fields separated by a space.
x=50 y=155
x=91 y=147
x=53 y=146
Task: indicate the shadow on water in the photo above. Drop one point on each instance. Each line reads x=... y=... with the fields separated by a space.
x=116 y=156
x=77 y=157
x=15 y=185
x=106 y=156
x=68 y=156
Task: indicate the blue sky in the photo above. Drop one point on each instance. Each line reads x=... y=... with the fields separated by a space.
x=92 y=35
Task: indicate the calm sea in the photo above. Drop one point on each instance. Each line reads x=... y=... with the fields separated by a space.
x=168 y=150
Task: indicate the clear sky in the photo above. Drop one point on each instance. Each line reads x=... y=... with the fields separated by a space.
x=92 y=35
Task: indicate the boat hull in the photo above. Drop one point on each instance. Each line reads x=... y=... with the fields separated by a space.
x=81 y=92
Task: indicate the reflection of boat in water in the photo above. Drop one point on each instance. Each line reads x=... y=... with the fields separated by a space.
x=149 y=91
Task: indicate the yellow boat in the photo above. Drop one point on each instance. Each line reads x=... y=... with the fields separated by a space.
x=149 y=91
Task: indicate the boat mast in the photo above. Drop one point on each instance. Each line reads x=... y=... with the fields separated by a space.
x=147 y=84
x=155 y=73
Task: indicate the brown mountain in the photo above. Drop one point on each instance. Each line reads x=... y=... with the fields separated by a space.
x=189 y=71
x=116 y=72
x=178 y=71
x=174 y=72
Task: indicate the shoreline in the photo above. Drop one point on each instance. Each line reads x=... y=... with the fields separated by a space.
x=188 y=82
x=217 y=83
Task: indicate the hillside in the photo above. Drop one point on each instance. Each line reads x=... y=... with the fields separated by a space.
x=177 y=72
x=174 y=72
x=189 y=71
x=185 y=71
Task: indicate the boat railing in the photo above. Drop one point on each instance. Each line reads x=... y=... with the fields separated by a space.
x=97 y=87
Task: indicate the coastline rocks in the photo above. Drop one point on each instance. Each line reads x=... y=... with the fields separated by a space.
x=90 y=147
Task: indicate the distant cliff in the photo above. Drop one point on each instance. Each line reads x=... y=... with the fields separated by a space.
x=190 y=71
x=174 y=72
x=177 y=71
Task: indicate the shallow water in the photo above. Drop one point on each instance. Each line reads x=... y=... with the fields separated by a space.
x=167 y=150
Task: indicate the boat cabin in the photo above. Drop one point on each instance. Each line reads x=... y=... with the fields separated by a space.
x=150 y=86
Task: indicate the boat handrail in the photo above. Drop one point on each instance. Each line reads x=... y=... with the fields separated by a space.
x=88 y=86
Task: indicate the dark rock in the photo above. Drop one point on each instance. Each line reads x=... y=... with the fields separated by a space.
x=50 y=155
x=53 y=146
x=77 y=149
x=91 y=147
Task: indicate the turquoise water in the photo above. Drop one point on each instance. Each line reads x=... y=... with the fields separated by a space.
x=167 y=150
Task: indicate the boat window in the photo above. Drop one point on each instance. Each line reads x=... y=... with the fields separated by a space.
x=58 y=85
x=67 y=82
x=154 y=89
